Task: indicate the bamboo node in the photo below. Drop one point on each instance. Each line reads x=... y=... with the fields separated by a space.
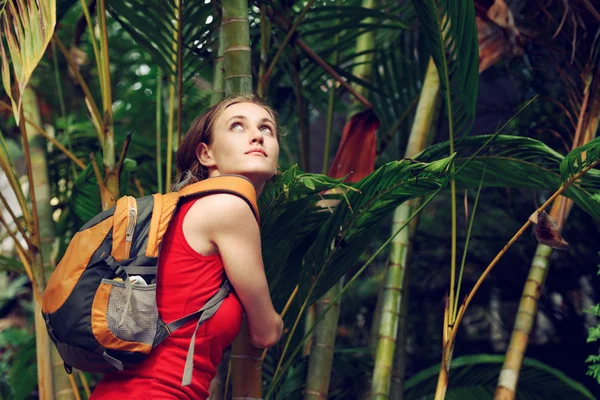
x=324 y=345
x=237 y=48
x=231 y=20
x=315 y=393
x=508 y=379
x=246 y=357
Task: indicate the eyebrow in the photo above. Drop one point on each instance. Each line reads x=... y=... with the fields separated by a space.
x=265 y=119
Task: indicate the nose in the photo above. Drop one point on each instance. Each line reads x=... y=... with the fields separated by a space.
x=256 y=136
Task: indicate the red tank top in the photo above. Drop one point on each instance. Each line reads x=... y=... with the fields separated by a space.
x=186 y=281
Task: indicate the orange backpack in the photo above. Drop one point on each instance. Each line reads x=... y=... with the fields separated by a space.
x=99 y=311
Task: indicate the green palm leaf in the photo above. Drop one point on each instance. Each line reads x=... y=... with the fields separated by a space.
x=475 y=377
x=151 y=24
x=346 y=234
x=28 y=27
x=290 y=221
x=451 y=35
x=519 y=162
x=580 y=158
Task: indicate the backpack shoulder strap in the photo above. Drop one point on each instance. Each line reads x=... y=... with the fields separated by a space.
x=166 y=204
x=233 y=184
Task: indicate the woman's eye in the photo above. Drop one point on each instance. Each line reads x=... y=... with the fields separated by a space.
x=266 y=129
x=236 y=126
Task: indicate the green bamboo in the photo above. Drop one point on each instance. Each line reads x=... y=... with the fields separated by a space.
x=218 y=90
x=236 y=47
x=111 y=175
x=586 y=130
x=246 y=360
x=393 y=294
x=51 y=364
x=508 y=378
x=321 y=356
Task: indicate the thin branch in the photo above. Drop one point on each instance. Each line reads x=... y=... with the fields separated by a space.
x=285 y=310
x=322 y=63
x=124 y=152
x=52 y=140
x=36 y=223
x=37 y=293
x=286 y=40
x=16 y=219
x=96 y=117
x=12 y=235
x=97 y=173
x=469 y=297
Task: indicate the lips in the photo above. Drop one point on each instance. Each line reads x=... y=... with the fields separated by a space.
x=258 y=151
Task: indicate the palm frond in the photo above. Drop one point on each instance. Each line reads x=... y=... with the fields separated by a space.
x=520 y=162
x=150 y=23
x=475 y=377
x=451 y=34
x=580 y=158
x=356 y=219
x=28 y=27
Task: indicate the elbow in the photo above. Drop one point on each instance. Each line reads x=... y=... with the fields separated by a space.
x=263 y=342
x=269 y=338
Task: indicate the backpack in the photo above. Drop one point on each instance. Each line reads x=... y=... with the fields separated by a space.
x=99 y=311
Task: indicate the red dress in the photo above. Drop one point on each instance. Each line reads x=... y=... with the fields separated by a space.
x=186 y=280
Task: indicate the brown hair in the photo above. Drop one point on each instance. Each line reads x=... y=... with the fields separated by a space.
x=189 y=169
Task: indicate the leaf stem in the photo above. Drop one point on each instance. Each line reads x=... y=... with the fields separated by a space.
x=265 y=78
x=464 y=257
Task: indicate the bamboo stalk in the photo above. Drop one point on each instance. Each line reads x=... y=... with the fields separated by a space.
x=246 y=361
x=236 y=47
x=393 y=295
x=246 y=366
x=321 y=356
x=37 y=162
x=277 y=374
x=509 y=375
x=524 y=320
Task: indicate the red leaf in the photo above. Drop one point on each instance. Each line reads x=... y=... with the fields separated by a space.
x=357 y=151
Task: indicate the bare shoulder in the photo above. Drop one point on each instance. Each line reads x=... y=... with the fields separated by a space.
x=221 y=209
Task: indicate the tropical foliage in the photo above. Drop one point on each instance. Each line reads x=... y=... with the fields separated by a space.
x=116 y=83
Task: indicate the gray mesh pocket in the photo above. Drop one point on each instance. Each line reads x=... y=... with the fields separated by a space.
x=139 y=323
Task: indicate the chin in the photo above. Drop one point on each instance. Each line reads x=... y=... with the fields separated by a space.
x=258 y=178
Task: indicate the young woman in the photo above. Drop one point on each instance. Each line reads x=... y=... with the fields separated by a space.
x=208 y=236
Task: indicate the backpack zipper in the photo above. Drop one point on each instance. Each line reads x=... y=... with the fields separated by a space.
x=132 y=211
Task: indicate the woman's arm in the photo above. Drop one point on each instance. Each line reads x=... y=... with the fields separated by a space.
x=229 y=223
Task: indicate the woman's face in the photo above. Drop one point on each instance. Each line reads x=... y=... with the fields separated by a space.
x=244 y=142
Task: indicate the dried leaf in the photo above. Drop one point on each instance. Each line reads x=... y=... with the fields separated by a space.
x=497 y=33
x=547 y=232
x=28 y=28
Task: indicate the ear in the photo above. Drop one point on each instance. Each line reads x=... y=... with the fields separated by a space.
x=204 y=155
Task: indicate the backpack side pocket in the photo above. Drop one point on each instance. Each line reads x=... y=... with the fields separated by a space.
x=117 y=327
